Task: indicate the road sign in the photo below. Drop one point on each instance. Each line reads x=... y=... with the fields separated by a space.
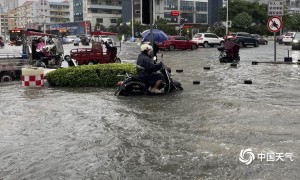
x=274 y=24
x=175 y=13
x=275 y=8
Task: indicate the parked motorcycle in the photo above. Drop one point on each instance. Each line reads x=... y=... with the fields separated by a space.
x=133 y=85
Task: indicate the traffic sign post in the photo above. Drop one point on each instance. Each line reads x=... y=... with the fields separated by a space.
x=275 y=8
x=274 y=25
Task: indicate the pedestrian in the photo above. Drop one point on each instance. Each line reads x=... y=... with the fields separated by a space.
x=155 y=50
x=123 y=38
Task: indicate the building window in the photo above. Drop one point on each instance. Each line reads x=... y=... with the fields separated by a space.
x=201 y=18
x=201 y=6
x=99 y=20
x=170 y=19
x=113 y=21
x=94 y=11
x=171 y=4
x=108 y=2
x=186 y=5
x=188 y=17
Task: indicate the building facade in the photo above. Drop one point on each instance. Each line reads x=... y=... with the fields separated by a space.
x=96 y=11
x=193 y=12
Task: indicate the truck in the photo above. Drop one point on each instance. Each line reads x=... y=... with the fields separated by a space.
x=10 y=69
x=102 y=51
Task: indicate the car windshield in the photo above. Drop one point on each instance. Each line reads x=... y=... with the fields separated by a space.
x=197 y=35
x=290 y=34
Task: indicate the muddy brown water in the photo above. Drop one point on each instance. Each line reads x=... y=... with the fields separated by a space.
x=88 y=133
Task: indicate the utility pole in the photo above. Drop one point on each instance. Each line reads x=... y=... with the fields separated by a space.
x=132 y=30
x=44 y=16
x=227 y=17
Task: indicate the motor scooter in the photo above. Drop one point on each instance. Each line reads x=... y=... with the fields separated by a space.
x=230 y=52
x=133 y=85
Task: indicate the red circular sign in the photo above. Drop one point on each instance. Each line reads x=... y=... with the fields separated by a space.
x=274 y=24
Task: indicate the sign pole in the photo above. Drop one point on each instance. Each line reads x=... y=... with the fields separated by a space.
x=274 y=46
x=274 y=25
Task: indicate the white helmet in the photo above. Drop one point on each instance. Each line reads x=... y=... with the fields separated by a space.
x=146 y=47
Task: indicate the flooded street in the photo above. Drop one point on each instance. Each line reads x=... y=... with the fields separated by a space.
x=88 y=133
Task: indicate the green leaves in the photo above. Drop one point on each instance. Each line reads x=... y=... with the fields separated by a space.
x=100 y=75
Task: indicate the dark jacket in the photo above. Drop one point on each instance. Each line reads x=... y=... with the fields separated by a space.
x=146 y=66
x=155 y=49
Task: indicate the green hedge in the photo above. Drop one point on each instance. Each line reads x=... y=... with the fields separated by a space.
x=100 y=75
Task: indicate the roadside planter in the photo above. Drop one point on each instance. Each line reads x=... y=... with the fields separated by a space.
x=100 y=75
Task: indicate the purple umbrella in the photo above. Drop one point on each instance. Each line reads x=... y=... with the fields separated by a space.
x=158 y=35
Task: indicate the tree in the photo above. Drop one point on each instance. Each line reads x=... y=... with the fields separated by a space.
x=113 y=28
x=257 y=12
x=242 y=21
x=162 y=25
x=97 y=25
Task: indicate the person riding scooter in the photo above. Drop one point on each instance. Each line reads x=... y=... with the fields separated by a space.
x=147 y=69
x=232 y=48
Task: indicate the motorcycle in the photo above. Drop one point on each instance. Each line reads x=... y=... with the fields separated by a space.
x=229 y=53
x=133 y=85
x=55 y=58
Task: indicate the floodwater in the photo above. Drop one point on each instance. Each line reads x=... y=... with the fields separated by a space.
x=88 y=133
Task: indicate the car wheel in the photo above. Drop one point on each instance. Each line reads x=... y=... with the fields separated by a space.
x=6 y=77
x=241 y=44
x=194 y=46
x=206 y=45
x=171 y=47
x=222 y=43
x=256 y=44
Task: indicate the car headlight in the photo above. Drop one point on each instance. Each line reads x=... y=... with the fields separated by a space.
x=295 y=40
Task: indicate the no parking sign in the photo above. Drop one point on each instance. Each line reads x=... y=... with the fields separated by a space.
x=274 y=24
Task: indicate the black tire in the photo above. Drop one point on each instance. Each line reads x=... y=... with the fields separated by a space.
x=206 y=45
x=171 y=47
x=222 y=43
x=117 y=60
x=194 y=46
x=241 y=44
x=256 y=44
x=6 y=77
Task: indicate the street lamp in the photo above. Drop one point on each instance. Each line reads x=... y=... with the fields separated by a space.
x=44 y=16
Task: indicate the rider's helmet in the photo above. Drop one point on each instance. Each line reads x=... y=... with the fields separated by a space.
x=146 y=47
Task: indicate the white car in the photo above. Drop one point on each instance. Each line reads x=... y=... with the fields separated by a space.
x=71 y=38
x=288 y=38
x=103 y=38
x=208 y=39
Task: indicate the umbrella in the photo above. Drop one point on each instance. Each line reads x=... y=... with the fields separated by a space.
x=158 y=35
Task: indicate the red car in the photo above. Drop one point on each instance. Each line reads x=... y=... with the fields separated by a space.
x=178 y=42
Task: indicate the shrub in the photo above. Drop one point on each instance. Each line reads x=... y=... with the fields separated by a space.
x=100 y=75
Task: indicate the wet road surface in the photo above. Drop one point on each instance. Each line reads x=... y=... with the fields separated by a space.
x=88 y=133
